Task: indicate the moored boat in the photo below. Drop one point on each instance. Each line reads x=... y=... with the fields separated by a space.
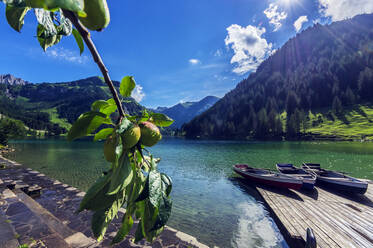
x=336 y=180
x=309 y=179
x=268 y=177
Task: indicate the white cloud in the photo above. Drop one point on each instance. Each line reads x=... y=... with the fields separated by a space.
x=194 y=61
x=299 y=22
x=64 y=54
x=218 y=53
x=274 y=16
x=138 y=93
x=343 y=9
x=249 y=47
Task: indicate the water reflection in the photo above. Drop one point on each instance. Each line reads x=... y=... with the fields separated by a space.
x=255 y=229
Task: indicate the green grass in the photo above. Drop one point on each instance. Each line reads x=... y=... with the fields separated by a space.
x=55 y=119
x=356 y=122
x=22 y=100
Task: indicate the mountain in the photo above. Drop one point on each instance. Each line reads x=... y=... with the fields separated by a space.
x=53 y=106
x=313 y=79
x=184 y=112
x=11 y=80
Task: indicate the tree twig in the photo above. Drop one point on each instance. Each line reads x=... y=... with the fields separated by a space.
x=96 y=57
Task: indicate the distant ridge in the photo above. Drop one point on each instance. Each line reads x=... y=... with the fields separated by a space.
x=184 y=112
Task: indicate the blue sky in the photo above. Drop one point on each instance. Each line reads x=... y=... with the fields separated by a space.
x=177 y=50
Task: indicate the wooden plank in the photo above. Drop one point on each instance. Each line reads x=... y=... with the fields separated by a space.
x=324 y=221
x=314 y=222
x=354 y=216
x=339 y=226
x=363 y=229
x=328 y=196
x=304 y=223
x=282 y=216
x=299 y=226
x=336 y=220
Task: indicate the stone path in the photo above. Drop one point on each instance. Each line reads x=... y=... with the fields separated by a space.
x=61 y=201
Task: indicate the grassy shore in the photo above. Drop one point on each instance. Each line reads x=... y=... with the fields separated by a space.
x=354 y=123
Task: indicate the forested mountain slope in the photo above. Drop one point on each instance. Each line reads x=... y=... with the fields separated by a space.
x=324 y=67
x=53 y=106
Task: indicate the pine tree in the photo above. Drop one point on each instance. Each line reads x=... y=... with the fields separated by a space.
x=262 y=127
x=365 y=83
x=253 y=122
x=337 y=106
x=291 y=103
x=350 y=96
x=293 y=124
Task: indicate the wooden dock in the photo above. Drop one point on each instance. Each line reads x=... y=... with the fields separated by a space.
x=337 y=220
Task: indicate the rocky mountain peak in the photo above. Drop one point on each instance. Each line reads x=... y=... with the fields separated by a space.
x=12 y=80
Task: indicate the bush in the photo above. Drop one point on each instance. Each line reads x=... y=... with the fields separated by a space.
x=11 y=129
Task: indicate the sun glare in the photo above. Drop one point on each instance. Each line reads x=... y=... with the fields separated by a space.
x=288 y=2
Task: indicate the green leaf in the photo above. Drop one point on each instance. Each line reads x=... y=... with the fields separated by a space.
x=124 y=126
x=79 y=40
x=149 y=217
x=16 y=3
x=101 y=219
x=104 y=107
x=136 y=187
x=86 y=124
x=122 y=175
x=139 y=118
x=101 y=200
x=155 y=188
x=164 y=213
x=127 y=224
x=23 y=246
x=73 y=5
x=161 y=120
x=139 y=235
x=15 y=16
x=66 y=27
x=103 y=133
x=109 y=109
x=94 y=191
x=145 y=191
x=126 y=86
x=45 y=41
x=118 y=151
x=97 y=105
x=97 y=224
x=45 y=19
x=111 y=100
x=166 y=184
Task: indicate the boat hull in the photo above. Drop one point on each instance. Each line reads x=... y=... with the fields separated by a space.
x=308 y=185
x=356 y=189
x=274 y=183
x=336 y=180
x=290 y=170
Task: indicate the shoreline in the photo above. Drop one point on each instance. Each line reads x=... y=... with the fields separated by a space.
x=313 y=137
x=62 y=201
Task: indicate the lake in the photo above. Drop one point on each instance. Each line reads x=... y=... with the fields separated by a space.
x=209 y=202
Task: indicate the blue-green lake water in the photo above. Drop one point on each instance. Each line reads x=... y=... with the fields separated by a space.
x=209 y=203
